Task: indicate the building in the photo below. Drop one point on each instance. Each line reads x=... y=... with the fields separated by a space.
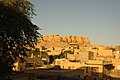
x=66 y=64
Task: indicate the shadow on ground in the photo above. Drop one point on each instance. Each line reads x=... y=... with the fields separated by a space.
x=44 y=74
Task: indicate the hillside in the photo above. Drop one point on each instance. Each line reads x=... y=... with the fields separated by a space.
x=60 y=41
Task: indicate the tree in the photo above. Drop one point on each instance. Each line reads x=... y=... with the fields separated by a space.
x=17 y=36
x=23 y=6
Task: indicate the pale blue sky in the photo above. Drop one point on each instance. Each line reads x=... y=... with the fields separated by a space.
x=97 y=19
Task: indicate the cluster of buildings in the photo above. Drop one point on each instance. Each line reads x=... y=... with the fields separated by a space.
x=78 y=53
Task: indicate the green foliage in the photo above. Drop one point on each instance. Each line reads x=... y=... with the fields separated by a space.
x=62 y=55
x=36 y=52
x=23 y=6
x=17 y=36
x=51 y=58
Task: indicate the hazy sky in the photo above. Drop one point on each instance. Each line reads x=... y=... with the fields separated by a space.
x=97 y=19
